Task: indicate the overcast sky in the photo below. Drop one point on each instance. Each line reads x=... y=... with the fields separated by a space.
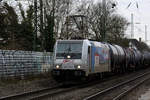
x=141 y=15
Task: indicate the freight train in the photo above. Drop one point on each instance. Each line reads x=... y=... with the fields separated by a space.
x=78 y=59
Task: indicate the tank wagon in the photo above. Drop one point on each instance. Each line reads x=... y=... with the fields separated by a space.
x=146 y=58
x=77 y=59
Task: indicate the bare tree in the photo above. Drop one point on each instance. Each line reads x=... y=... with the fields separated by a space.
x=115 y=25
x=9 y=22
x=60 y=10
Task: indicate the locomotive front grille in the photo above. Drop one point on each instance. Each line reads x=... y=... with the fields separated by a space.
x=68 y=65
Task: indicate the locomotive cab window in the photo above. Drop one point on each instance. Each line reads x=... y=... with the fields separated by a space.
x=69 y=50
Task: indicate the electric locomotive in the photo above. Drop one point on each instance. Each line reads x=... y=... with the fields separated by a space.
x=79 y=59
x=76 y=59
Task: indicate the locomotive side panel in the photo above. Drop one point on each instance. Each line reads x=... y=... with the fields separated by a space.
x=100 y=58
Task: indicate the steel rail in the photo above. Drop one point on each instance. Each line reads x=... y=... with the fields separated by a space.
x=39 y=97
x=91 y=97
x=121 y=95
x=54 y=93
x=27 y=93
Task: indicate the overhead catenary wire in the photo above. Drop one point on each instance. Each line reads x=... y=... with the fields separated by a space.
x=136 y=4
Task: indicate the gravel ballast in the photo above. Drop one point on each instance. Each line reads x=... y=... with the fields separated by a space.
x=16 y=86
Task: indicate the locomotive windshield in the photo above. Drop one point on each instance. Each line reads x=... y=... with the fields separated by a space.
x=71 y=50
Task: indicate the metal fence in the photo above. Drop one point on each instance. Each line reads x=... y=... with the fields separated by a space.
x=22 y=63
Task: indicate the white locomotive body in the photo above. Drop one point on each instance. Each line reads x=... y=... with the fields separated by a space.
x=80 y=58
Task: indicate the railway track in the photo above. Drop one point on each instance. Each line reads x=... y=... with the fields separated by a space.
x=118 y=91
x=121 y=95
x=46 y=92
x=57 y=92
x=64 y=90
x=28 y=95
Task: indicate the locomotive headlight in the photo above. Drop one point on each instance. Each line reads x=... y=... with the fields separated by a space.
x=57 y=66
x=68 y=57
x=78 y=66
